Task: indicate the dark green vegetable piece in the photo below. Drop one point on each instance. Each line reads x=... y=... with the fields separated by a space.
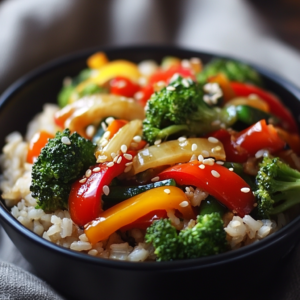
x=58 y=166
x=120 y=193
x=211 y=205
x=234 y=70
x=250 y=115
x=278 y=187
x=180 y=108
x=207 y=237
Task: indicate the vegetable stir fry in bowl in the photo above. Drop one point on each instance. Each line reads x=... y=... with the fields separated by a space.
x=156 y=161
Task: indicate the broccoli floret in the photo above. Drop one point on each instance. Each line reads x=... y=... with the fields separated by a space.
x=164 y=239
x=59 y=164
x=235 y=71
x=180 y=108
x=278 y=187
x=207 y=237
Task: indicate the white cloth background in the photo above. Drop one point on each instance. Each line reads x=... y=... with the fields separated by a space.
x=33 y=32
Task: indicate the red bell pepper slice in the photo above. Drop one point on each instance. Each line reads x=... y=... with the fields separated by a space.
x=85 y=195
x=259 y=136
x=226 y=186
x=276 y=106
x=233 y=152
x=123 y=86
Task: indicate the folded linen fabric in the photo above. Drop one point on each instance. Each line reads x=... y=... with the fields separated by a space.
x=15 y=284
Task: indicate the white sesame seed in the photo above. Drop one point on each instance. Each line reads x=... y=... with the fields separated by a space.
x=193 y=157
x=230 y=169
x=260 y=153
x=83 y=180
x=137 y=138
x=106 y=135
x=88 y=173
x=215 y=173
x=103 y=125
x=220 y=162
x=183 y=144
x=154 y=179
x=104 y=143
x=208 y=161
x=127 y=169
x=201 y=166
x=119 y=160
x=200 y=158
x=171 y=88
x=65 y=140
x=187 y=189
x=174 y=77
x=110 y=164
x=128 y=156
x=90 y=130
x=105 y=190
x=213 y=140
x=194 y=147
x=128 y=164
x=157 y=142
x=109 y=120
x=124 y=148
x=185 y=83
x=186 y=63
x=205 y=153
x=116 y=158
x=181 y=139
x=245 y=190
x=97 y=169
x=113 y=155
x=184 y=204
x=167 y=191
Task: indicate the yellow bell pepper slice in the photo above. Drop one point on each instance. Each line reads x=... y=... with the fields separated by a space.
x=128 y=211
x=117 y=68
x=97 y=60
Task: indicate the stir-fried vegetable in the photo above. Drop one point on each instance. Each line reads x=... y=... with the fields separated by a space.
x=178 y=154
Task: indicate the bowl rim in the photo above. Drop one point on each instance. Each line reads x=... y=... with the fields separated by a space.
x=203 y=262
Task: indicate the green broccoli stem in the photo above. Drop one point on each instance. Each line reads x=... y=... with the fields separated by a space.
x=173 y=129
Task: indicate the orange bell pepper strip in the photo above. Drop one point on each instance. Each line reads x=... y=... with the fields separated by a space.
x=132 y=209
x=115 y=126
x=38 y=141
x=97 y=60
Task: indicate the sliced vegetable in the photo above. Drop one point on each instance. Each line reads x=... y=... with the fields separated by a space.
x=276 y=107
x=132 y=209
x=78 y=115
x=253 y=101
x=115 y=126
x=97 y=60
x=38 y=141
x=123 y=138
x=85 y=195
x=145 y=221
x=259 y=136
x=118 y=194
x=292 y=139
x=211 y=205
x=226 y=186
x=173 y=152
x=123 y=86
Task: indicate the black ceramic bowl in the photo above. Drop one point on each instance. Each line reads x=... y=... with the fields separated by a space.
x=79 y=276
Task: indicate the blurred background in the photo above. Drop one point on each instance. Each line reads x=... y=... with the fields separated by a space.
x=264 y=32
